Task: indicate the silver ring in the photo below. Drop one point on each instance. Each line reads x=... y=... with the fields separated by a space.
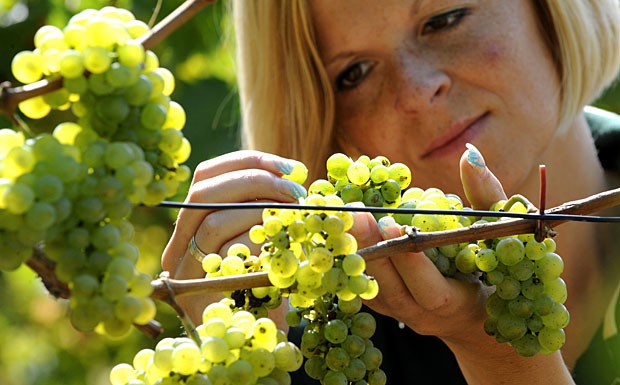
x=195 y=251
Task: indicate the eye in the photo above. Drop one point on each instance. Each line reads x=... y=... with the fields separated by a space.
x=445 y=20
x=353 y=75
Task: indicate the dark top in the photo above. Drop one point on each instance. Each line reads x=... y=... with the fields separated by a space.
x=410 y=358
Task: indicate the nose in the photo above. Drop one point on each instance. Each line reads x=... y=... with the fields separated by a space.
x=419 y=82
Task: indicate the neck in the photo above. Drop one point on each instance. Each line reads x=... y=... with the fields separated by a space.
x=573 y=169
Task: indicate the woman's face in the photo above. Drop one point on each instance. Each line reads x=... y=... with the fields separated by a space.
x=417 y=79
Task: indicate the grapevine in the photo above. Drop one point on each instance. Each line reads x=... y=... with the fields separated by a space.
x=72 y=191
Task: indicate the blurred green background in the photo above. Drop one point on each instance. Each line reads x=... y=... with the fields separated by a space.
x=37 y=343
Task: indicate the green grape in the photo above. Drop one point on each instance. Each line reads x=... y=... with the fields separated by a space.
x=551 y=339
x=27 y=67
x=333 y=377
x=535 y=250
x=522 y=270
x=315 y=368
x=121 y=76
x=351 y=193
x=337 y=165
x=543 y=304
x=532 y=288
x=121 y=374
x=71 y=64
x=372 y=358
x=521 y=307
x=511 y=327
x=241 y=372
x=97 y=60
x=186 y=358
x=336 y=331
x=350 y=307
x=549 y=267
x=363 y=325
x=214 y=349
x=321 y=260
x=353 y=264
x=400 y=173
x=465 y=260
x=557 y=318
x=486 y=260
x=556 y=288
x=131 y=53
x=17 y=198
x=373 y=198
x=377 y=377
x=139 y=93
x=287 y=356
x=509 y=288
x=379 y=174
x=41 y=216
x=510 y=251
x=390 y=190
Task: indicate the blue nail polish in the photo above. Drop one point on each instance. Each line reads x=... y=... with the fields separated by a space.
x=384 y=223
x=284 y=167
x=474 y=157
x=295 y=189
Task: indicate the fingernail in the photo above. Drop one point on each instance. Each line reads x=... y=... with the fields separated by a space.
x=295 y=189
x=475 y=158
x=384 y=224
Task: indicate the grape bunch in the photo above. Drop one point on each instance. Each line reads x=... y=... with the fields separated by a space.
x=527 y=309
x=235 y=347
x=72 y=191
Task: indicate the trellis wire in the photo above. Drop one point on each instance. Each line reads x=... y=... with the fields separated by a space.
x=388 y=210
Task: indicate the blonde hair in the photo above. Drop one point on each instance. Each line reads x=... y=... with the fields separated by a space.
x=287 y=100
x=584 y=39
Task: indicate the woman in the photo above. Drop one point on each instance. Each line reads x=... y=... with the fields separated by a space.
x=416 y=81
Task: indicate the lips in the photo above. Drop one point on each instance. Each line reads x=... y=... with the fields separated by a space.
x=455 y=138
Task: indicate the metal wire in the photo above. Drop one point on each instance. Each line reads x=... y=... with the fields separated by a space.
x=386 y=210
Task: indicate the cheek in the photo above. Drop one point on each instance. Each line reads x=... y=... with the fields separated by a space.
x=493 y=53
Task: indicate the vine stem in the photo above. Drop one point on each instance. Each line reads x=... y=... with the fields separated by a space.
x=411 y=241
x=10 y=97
x=166 y=289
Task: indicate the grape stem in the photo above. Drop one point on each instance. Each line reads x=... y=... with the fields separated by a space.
x=411 y=241
x=10 y=97
x=169 y=298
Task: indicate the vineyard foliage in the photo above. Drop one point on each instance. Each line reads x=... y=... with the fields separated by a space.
x=44 y=348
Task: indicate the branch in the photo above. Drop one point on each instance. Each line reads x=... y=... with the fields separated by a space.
x=412 y=241
x=44 y=267
x=10 y=97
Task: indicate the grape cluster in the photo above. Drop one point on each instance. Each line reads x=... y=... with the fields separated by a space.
x=72 y=191
x=235 y=347
x=527 y=309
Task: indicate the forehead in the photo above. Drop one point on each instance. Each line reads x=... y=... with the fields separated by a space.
x=357 y=23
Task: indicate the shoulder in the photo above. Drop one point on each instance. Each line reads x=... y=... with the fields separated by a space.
x=605 y=128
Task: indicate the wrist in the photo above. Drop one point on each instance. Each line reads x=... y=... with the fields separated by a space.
x=490 y=362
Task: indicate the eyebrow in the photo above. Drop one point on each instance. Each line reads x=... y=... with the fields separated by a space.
x=339 y=56
x=415 y=7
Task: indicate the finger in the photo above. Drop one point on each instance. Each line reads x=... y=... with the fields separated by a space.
x=482 y=188
x=236 y=186
x=221 y=229
x=241 y=160
x=365 y=229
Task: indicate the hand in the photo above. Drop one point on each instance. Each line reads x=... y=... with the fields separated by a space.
x=243 y=176
x=413 y=291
